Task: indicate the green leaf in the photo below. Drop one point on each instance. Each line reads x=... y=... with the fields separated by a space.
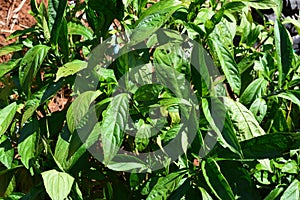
x=79 y=109
x=243 y=120
x=274 y=194
x=113 y=125
x=171 y=55
x=292 y=192
x=239 y=178
x=233 y=6
x=58 y=184
x=270 y=146
x=259 y=109
x=148 y=92
x=30 y=65
x=6 y=116
x=93 y=136
x=39 y=98
x=225 y=31
x=228 y=65
x=56 y=10
x=261 y=4
x=70 y=68
x=289 y=95
x=27 y=143
x=10 y=48
x=6 y=67
x=79 y=29
x=173 y=80
x=182 y=189
x=290 y=167
x=254 y=90
x=205 y=195
x=64 y=41
x=126 y=163
x=229 y=135
x=165 y=186
x=159 y=6
x=215 y=180
x=153 y=18
x=61 y=155
x=199 y=68
x=14 y=196
x=19 y=33
x=295 y=22
x=219 y=120
x=6 y=152
x=284 y=51
x=142 y=135
x=6 y=176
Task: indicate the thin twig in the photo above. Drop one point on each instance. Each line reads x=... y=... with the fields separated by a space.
x=19 y=7
x=261 y=43
x=23 y=26
x=7 y=31
x=9 y=13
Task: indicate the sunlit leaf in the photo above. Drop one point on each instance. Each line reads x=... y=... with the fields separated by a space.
x=228 y=65
x=58 y=184
x=6 y=116
x=292 y=192
x=30 y=65
x=255 y=89
x=243 y=120
x=10 y=48
x=70 y=68
x=165 y=186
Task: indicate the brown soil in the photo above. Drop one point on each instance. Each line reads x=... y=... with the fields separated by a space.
x=14 y=16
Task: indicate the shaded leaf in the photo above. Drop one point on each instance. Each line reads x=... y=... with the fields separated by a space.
x=153 y=18
x=6 y=152
x=39 y=98
x=126 y=163
x=215 y=180
x=113 y=125
x=27 y=143
x=290 y=95
x=267 y=146
x=284 y=51
x=61 y=151
x=56 y=10
x=79 y=109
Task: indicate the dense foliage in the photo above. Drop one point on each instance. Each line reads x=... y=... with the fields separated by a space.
x=66 y=154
